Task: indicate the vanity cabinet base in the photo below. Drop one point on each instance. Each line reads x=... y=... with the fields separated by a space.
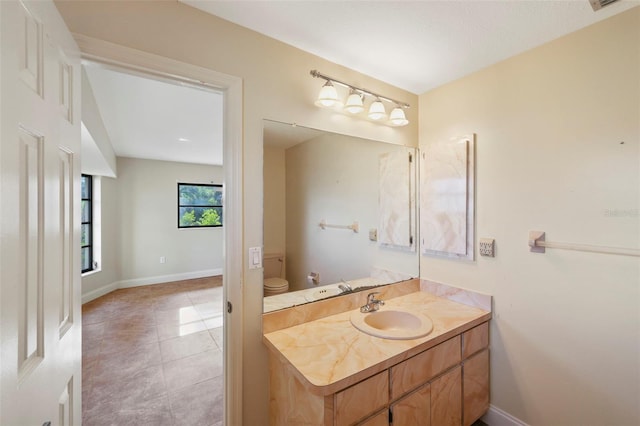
x=446 y=385
x=290 y=403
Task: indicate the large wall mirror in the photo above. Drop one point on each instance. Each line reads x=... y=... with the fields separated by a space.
x=339 y=214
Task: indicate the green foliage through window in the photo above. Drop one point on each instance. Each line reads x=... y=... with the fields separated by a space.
x=199 y=205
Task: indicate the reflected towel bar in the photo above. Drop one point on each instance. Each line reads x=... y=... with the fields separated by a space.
x=537 y=244
x=354 y=227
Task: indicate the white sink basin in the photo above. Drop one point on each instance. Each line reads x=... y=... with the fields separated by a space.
x=393 y=323
x=322 y=293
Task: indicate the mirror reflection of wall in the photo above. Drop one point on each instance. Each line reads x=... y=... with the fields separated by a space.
x=312 y=176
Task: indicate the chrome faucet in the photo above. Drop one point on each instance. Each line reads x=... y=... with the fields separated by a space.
x=345 y=288
x=373 y=304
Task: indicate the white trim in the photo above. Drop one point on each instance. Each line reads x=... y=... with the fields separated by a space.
x=160 y=279
x=138 y=282
x=132 y=59
x=233 y=278
x=498 y=417
x=101 y=291
x=91 y=272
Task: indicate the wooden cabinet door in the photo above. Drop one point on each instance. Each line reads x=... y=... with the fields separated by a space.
x=446 y=399
x=475 y=373
x=415 y=371
x=380 y=419
x=414 y=409
x=361 y=400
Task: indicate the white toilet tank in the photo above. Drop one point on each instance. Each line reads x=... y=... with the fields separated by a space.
x=274 y=283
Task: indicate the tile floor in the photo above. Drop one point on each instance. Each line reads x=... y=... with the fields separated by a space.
x=153 y=355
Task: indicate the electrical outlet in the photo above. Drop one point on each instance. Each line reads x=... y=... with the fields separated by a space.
x=487 y=247
x=163 y=259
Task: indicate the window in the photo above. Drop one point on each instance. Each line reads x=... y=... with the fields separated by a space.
x=86 y=234
x=199 y=205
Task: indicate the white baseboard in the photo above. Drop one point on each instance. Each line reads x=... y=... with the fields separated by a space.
x=498 y=417
x=148 y=281
x=169 y=278
x=101 y=291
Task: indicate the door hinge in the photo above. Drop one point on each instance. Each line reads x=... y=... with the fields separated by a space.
x=410 y=158
x=411 y=240
x=229 y=307
x=390 y=416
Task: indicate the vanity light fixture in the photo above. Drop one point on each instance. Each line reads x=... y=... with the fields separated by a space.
x=397 y=117
x=328 y=95
x=354 y=104
x=376 y=110
x=328 y=98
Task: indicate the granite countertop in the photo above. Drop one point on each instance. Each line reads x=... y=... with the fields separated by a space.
x=329 y=354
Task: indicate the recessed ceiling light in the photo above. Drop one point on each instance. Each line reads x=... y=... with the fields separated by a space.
x=183 y=140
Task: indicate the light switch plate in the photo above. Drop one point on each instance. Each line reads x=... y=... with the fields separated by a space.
x=487 y=247
x=255 y=257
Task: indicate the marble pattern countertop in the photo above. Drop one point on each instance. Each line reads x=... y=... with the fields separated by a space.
x=329 y=354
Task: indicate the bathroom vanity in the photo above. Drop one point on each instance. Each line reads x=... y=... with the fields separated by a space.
x=323 y=371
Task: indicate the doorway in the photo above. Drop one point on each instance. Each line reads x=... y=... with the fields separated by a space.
x=160 y=345
x=153 y=65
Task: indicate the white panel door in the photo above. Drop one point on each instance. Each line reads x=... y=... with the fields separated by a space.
x=40 y=338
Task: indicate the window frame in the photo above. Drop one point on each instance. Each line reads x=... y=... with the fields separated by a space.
x=220 y=206
x=90 y=200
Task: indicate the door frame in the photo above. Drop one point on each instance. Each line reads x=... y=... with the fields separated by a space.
x=101 y=51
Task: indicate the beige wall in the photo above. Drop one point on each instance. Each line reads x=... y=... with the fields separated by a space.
x=328 y=178
x=138 y=215
x=336 y=178
x=148 y=228
x=275 y=198
x=276 y=86
x=565 y=336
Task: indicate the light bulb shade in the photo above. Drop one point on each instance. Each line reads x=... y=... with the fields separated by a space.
x=328 y=95
x=354 y=103
x=397 y=117
x=377 y=111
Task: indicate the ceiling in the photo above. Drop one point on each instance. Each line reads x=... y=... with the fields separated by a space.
x=157 y=119
x=414 y=45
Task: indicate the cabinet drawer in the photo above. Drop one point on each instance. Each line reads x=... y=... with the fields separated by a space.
x=362 y=399
x=418 y=370
x=475 y=340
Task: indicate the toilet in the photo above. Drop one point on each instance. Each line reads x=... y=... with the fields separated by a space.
x=273 y=282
